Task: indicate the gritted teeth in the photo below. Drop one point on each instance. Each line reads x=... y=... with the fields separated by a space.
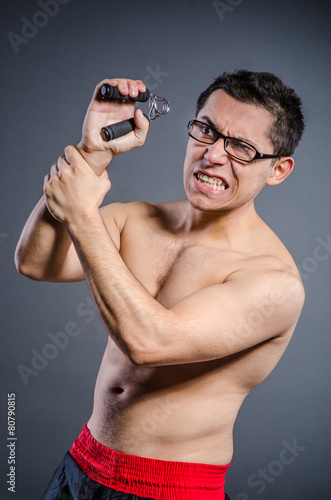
x=213 y=182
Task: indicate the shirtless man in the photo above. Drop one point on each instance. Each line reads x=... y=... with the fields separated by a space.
x=199 y=297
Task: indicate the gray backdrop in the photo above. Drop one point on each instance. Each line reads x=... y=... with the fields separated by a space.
x=53 y=55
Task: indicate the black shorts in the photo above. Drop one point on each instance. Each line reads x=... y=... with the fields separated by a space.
x=71 y=483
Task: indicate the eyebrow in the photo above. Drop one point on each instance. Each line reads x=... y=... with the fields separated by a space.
x=239 y=137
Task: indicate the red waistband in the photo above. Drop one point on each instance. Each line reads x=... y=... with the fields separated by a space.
x=147 y=477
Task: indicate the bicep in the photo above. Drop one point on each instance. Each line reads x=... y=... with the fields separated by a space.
x=224 y=319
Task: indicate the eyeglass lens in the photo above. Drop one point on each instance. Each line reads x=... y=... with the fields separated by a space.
x=204 y=133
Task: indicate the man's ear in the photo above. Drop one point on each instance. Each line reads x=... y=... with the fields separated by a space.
x=282 y=169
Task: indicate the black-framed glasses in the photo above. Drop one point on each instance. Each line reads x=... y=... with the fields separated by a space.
x=236 y=148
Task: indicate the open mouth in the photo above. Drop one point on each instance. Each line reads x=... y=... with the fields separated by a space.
x=212 y=182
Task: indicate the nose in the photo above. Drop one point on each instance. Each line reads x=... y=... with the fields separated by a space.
x=216 y=153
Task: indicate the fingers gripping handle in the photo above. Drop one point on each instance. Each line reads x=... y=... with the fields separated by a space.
x=109 y=92
x=118 y=129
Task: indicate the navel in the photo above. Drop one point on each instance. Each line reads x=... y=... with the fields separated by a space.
x=117 y=390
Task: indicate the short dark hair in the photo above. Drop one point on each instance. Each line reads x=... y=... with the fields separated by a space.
x=269 y=92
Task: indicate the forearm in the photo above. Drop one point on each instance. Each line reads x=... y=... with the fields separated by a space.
x=132 y=317
x=43 y=244
x=98 y=161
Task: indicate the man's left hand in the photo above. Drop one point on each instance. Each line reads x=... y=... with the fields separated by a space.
x=73 y=192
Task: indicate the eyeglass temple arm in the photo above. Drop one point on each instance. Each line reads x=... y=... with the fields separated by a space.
x=260 y=156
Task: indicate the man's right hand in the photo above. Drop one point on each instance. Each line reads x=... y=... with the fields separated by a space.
x=101 y=112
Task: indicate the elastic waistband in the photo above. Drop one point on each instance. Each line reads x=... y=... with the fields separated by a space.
x=147 y=477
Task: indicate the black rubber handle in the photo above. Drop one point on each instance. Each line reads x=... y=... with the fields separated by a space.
x=109 y=92
x=118 y=129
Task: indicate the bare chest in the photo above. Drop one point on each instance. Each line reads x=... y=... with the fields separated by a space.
x=170 y=269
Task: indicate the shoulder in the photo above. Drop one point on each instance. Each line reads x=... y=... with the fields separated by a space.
x=120 y=212
x=138 y=209
x=123 y=215
x=274 y=264
x=273 y=281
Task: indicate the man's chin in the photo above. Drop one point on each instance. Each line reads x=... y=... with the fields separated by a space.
x=209 y=207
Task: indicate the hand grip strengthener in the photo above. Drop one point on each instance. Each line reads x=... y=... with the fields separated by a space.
x=158 y=106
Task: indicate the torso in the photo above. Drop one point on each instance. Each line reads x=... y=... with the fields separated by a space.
x=182 y=412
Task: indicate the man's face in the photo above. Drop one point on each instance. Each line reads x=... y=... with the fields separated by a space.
x=243 y=181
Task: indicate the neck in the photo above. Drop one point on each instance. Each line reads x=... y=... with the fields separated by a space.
x=235 y=226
